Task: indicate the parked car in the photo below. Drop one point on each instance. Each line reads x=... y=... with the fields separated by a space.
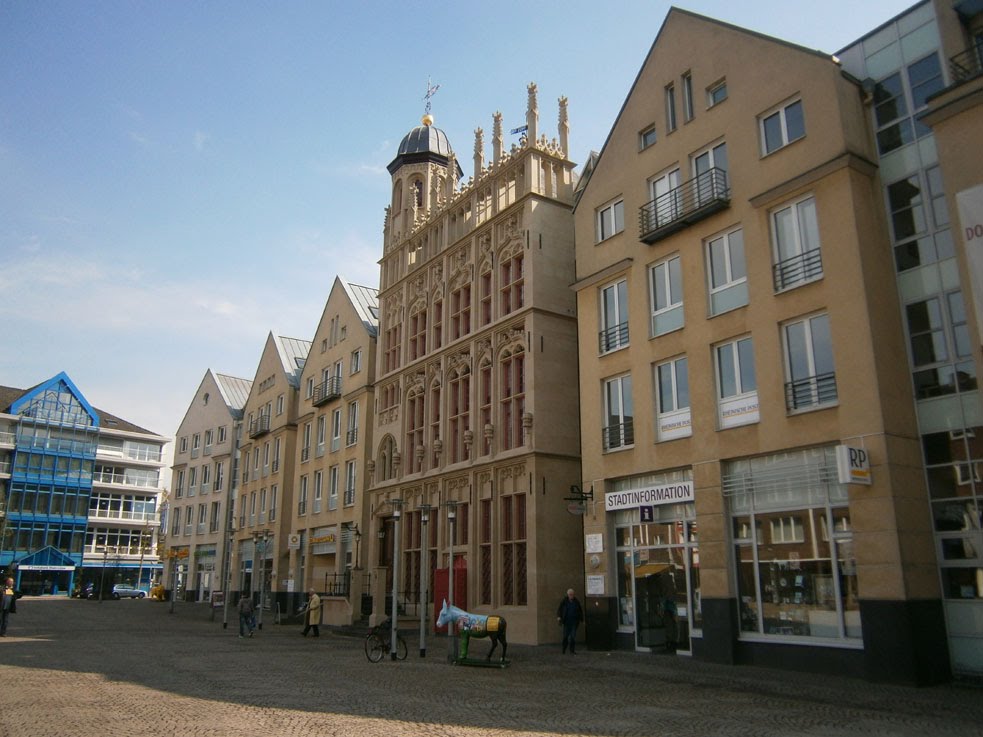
x=125 y=590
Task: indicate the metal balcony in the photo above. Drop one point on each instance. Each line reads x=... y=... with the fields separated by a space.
x=966 y=65
x=813 y=391
x=804 y=267
x=684 y=205
x=327 y=390
x=259 y=426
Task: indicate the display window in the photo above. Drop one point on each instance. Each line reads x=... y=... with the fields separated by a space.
x=793 y=548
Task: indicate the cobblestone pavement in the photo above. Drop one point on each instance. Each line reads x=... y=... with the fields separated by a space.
x=132 y=668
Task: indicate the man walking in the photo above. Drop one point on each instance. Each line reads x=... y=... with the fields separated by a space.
x=8 y=605
x=313 y=618
x=570 y=614
x=246 y=623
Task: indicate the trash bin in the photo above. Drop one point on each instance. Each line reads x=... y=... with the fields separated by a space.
x=601 y=622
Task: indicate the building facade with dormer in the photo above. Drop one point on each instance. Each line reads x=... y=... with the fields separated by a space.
x=475 y=398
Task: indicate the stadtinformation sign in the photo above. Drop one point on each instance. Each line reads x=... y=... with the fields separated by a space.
x=676 y=493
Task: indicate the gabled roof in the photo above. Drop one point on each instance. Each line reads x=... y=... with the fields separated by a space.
x=235 y=392
x=293 y=355
x=707 y=19
x=366 y=303
x=9 y=396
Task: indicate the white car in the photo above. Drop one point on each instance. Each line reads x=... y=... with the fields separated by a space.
x=124 y=590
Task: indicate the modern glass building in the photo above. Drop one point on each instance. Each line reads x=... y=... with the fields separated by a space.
x=79 y=490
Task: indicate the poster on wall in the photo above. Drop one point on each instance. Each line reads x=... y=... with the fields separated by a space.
x=595 y=585
x=594 y=543
x=970 y=205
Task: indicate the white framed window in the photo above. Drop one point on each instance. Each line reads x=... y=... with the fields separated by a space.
x=208 y=440
x=302 y=496
x=205 y=473
x=717 y=93
x=221 y=434
x=219 y=475
x=192 y=480
x=335 y=430
x=273 y=490
x=726 y=272
x=787 y=529
x=795 y=244
x=737 y=387
x=179 y=487
x=276 y=455
x=195 y=442
x=351 y=437
x=781 y=126
x=318 y=491
x=667 y=198
x=610 y=219
x=333 y=488
x=305 y=443
x=619 y=415
x=350 y=469
x=666 y=296
x=279 y=405
x=811 y=379
x=356 y=364
x=614 y=316
x=646 y=138
x=184 y=444
x=673 y=419
x=322 y=435
x=309 y=389
x=262 y=505
x=687 y=84
x=670 y=108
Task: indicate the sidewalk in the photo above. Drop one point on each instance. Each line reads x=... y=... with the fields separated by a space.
x=132 y=668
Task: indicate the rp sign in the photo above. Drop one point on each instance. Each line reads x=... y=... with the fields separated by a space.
x=852 y=465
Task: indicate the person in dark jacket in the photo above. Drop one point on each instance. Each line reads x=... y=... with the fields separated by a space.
x=8 y=605
x=570 y=614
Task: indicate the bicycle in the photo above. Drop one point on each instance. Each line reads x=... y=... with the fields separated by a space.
x=378 y=642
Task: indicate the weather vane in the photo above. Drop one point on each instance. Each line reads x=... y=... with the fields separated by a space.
x=431 y=91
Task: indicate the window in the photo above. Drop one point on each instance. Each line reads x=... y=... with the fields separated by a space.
x=252 y=508
x=176 y=526
x=513 y=402
x=460 y=312
x=196 y=441
x=437 y=325
x=322 y=432
x=485 y=296
x=333 y=488
x=273 y=490
x=737 y=388
x=687 y=82
x=459 y=411
x=717 y=93
x=356 y=363
x=305 y=445
x=646 y=138
x=809 y=363
x=262 y=506
x=897 y=124
x=219 y=475
x=726 y=272
x=795 y=234
x=184 y=445
x=179 y=487
x=670 y=108
x=513 y=549
x=614 y=316
x=485 y=408
x=309 y=389
x=511 y=284
x=266 y=459
x=666 y=294
x=215 y=516
x=384 y=467
x=335 y=430
x=619 y=430
x=435 y=444
x=352 y=436
x=672 y=394
x=782 y=126
x=189 y=513
x=418 y=334
x=940 y=346
x=349 y=483
x=302 y=496
x=221 y=435
x=208 y=440
x=414 y=432
x=392 y=342
x=318 y=491
x=205 y=473
x=276 y=455
x=610 y=220
x=192 y=480
x=666 y=196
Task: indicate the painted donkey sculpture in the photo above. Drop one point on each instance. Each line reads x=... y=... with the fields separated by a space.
x=474 y=625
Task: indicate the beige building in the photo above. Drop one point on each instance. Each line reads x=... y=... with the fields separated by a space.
x=203 y=485
x=334 y=427
x=749 y=432
x=268 y=453
x=475 y=404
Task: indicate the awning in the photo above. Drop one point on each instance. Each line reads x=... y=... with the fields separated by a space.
x=651 y=569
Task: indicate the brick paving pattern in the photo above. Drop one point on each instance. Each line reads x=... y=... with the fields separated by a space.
x=132 y=668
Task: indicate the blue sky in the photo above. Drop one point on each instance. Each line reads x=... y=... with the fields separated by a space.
x=177 y=179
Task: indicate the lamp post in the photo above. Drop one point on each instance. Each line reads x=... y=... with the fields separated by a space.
x=228 y=582
x=424 y=510
x=102 y=573
x=451 y=521
x=261 y=565
x=143 y=550
x=397 y=512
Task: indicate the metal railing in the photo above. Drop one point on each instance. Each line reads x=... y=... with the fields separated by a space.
x=327 y=390
x=619 y=436
x=811 y=392
x=259 y=426
x=966 y=65
x=684 y=205
x=337 y=584
x=613 y=338
x=804 y=267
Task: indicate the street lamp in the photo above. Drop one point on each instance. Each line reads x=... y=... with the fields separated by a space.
x=352 y=528
x=451 y=521
x=262 y=570
x=397 y=512
x=102 y=573
x=228 y=580
x=424 y=510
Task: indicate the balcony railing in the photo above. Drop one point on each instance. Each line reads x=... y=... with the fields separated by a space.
x=337 y=584
x=122 y=479
x=613 y=338
x=684 y=205
x=804 y=267
x=327 y=390
x=122 y=514
x=966 y=65
x=811 y=392
x=259 y=426
x=619 y=436
x=351 y=437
